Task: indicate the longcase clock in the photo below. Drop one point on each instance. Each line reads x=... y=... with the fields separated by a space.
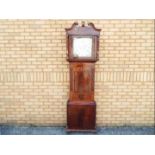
x=82 y=46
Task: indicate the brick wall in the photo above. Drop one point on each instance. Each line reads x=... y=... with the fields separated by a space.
x=34 y=73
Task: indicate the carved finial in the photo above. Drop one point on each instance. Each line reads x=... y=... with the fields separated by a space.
x=83 y=23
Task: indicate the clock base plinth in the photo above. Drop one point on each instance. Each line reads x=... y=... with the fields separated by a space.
x=81 y=116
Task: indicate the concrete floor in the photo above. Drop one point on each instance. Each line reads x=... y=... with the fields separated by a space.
x=31 y=130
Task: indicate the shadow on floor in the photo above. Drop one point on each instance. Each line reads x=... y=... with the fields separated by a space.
x=31 y=130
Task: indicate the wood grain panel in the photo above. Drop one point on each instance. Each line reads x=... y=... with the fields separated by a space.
x=82 y=81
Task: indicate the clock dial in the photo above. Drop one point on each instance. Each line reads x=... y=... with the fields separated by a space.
x=82 y=47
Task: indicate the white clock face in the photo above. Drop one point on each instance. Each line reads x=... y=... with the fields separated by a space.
x=82 y=47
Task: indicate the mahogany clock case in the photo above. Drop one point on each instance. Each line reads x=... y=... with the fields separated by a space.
x=81 y=107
